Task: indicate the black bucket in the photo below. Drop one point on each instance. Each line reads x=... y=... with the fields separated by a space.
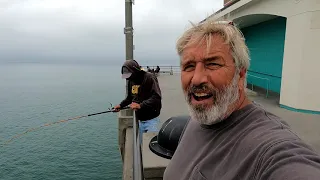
x=167 y=140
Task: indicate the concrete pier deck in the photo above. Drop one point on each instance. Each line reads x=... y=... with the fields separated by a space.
x=307 y=126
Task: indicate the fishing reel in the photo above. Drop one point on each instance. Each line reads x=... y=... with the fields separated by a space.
x=111 y=109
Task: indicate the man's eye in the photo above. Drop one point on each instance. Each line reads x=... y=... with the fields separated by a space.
x=213 y=65
x=189 y=67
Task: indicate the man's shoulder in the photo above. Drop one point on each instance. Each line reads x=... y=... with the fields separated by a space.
x=276 y=146
x=268 y=136
x=253 y=125
x=256 y=129
x=149 y=75
x=261 y=126
x=257 y=116
x=258 y=139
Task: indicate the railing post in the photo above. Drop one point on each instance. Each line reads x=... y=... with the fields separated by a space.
x=267 y=80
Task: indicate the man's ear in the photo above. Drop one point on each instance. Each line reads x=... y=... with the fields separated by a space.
x=242 y=78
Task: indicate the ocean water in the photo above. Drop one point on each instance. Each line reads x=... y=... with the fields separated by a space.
x=32 y=95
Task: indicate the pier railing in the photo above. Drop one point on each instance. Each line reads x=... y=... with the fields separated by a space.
x=137 y=154
x=139 y=162
x=165 y=69
x=130 y=145
x=257 y=77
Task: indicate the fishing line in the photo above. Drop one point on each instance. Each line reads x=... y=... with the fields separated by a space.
x=60 y=121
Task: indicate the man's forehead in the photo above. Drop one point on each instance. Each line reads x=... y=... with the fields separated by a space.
x=205 y=49
x=193 y=54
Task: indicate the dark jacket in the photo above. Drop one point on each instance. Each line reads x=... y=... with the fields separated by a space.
x=143 y=88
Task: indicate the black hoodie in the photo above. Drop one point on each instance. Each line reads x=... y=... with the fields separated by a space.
x=143 y=88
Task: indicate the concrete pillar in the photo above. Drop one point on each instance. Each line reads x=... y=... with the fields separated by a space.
x=127 y=172
x=300 y=79
x=125 y=120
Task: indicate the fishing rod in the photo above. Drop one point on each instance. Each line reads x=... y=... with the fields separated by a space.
x=65 y=120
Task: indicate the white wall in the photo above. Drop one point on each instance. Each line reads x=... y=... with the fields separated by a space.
x=293 y=61
x=300 y=86
x=309 y=92
x=285 y=8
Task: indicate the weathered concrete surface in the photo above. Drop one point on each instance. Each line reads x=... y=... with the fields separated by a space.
x=251 y=93
x=125 y=119
x=173 y=102
x=307 y=126
x=153 y=164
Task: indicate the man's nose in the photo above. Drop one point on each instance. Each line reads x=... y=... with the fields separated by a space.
x=200 y=75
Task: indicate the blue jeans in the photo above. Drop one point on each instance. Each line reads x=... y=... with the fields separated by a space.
x=148 y=126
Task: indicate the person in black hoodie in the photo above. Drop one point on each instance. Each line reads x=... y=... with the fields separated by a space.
x=144 y=96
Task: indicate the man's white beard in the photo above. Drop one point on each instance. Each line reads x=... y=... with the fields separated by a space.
x=225 y=98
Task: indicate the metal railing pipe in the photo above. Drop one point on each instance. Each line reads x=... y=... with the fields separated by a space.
x=137 y=157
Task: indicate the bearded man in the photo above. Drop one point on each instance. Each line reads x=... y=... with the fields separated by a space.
x=228 y=136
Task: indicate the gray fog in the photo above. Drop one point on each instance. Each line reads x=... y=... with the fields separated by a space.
x=59 y=31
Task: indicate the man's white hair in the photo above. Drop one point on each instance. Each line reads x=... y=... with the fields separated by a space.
x=227 y=30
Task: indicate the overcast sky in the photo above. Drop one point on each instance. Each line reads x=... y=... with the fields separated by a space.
x=92 y=30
